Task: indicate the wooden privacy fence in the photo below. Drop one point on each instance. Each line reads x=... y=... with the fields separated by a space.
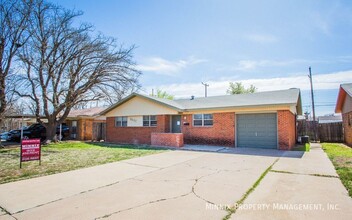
x=306 y=128
x=331 y=132
x=99 y=131
x=326 y=132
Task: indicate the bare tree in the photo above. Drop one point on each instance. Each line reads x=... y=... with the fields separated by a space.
x=14 y=20
x=66 y=65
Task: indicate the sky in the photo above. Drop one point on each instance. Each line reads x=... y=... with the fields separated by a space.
x=270 y=44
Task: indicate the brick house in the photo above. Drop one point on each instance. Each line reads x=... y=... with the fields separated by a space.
x=263 y=120
x=344 y=106
x=86 y=124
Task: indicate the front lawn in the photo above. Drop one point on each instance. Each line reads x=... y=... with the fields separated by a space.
x=65 y=156
x=341 y=157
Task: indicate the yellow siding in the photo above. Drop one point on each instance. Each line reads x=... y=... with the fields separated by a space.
x=138 y=106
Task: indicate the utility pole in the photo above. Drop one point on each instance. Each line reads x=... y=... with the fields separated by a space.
x=313 y=107
x=205 y=86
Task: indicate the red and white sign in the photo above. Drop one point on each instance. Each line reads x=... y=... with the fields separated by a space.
x=30 y=150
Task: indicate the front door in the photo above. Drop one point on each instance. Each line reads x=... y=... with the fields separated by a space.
x=74 y=130
x=176 y=124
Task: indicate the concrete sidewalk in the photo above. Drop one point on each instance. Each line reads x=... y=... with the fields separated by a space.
x=306 y=188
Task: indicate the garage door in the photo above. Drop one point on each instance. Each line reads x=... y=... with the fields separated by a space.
x=257 y=130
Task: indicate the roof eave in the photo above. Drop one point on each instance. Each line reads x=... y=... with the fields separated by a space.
x=103 y=113
x=299 y=104
x=161 y=103
x=340 y=99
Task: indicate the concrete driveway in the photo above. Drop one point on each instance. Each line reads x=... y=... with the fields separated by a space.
x=186 y=185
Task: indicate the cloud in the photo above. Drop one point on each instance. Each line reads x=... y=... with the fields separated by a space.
x=320 y=81
x=166 y=67
x=247 y=65
x=261 y=38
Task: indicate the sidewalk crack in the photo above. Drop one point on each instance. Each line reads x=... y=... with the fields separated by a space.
x=196 y=182
x=110 y=184
x=307 y=174
x=233 y=209
x=144 y=204
x=165 y=199
x=141 y=165
x=6 y=213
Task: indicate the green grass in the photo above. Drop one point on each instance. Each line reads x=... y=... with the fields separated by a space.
x=233 y=209
x=305 y=147
x=65 y=156
x=341 y=156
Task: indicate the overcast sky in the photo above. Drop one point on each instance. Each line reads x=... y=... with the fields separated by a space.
x=270 y=44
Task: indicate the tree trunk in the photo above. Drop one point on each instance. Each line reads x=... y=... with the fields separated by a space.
x=50 y=133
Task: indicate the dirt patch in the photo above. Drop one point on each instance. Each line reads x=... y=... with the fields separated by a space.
x=343 y=161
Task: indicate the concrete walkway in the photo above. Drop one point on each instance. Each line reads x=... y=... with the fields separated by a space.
x=182 y=185
x=305 y=188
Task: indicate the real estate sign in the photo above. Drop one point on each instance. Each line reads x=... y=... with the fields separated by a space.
x=30 y=150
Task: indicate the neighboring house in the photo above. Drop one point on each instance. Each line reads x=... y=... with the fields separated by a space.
x=262 y=120
x=86 y=124
x=329 y=119
x=344 y=106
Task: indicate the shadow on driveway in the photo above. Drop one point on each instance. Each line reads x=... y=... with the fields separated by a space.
x=244 y=151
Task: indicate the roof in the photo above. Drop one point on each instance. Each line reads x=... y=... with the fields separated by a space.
x=348 y=88
x=330 y=118
x=280 y=97
x=345 y=89
x=90 y=112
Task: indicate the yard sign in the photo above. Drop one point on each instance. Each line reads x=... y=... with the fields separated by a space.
x=30 y=150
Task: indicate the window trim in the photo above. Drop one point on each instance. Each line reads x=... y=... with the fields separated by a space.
x=150 y=121
x=203 y=119
x=121 y=122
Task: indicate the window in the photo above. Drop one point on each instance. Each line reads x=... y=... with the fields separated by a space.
x=149 y=121
x=121 y=121
x=203 y=120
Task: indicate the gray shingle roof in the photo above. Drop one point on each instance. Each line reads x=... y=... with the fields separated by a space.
x=280 y=97
x=86 y=112
x=348 y=88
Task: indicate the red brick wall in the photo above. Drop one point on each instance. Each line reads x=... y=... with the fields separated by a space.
x=221 y=133
x=135 y=135
x=347 y=128
x=167 y=139
x=286 y=129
